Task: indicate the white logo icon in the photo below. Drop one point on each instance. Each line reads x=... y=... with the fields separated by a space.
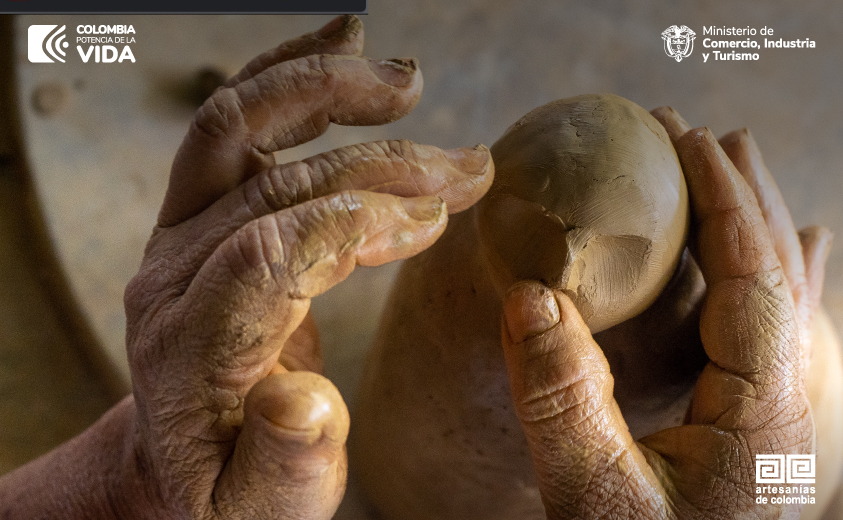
x=46 y=43
x=790 y=469
x=678 y=41
x=801 y=469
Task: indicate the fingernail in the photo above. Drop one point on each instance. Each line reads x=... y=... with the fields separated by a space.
x=423 y=208
x=398 y=72
x=474 y=160
x=529 y=309
x=345 y=25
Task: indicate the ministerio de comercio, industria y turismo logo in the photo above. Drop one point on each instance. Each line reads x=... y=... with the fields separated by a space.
x=729 y=43
x=47 y=43
x=678 y=41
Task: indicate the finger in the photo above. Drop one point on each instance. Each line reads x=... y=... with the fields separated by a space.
x=816 y=245
x=460 y=177
x=670 y=119
x=750 y=397
x=289 y=461
x=743 y=151
x=255 y=290
x=236 y=131
x=748 y=325
x=586 y=462
x=341 y=36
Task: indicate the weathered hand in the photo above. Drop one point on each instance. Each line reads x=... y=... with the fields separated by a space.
x=218 y=314
x=230 y=418
x=762 y=288
x=801 y=254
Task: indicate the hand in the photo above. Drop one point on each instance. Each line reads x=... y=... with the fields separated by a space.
x=803 y=254
x=218 y=315
x=230 y=417
x=762 y=289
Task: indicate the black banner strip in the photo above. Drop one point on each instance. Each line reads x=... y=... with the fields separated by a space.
x=183 y=7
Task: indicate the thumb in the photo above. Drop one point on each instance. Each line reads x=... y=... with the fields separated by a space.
x=586 y=462
x=290 y=459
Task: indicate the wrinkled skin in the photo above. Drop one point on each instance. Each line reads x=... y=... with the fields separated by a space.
x=763 y=286
x=540 y=427
x=230 y=417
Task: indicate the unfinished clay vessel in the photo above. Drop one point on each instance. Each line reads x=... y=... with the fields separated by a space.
x=588 y=197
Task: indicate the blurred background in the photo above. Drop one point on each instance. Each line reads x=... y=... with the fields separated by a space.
x=85 y=151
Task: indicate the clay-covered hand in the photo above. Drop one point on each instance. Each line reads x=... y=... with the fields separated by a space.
x=230 y=417
x=218 y=315
x=801 y=254
x=762 y=288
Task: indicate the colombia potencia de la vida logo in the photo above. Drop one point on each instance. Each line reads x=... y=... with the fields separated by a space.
x=678 y=41
x=46 y=43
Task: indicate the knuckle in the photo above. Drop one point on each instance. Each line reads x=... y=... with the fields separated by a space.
x=410 y=162
x=314 y=71
x=397 y=167
x=394 y=160
x=572 y=404
x=255 y=253
x=344 y=218
x=308 y=238
x=154 y=286
x=323 y=168
x=281 y=187
x=756 y=313
x=136 y=297
x=742 y=238
x=772 y=317
x=304 y=81
x=221 y=114
x=308 y=73
x=396 y=149
x=330 y=228
x=146 y=328
x=343 y=205
x=144 y=359
x=775 y=306
x=745 y=230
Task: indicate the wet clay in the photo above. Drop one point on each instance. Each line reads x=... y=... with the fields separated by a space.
x=588 y=197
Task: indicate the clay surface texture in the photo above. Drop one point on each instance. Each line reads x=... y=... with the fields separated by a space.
x=589 y=197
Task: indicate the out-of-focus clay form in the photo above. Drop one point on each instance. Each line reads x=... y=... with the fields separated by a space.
x=588 y=197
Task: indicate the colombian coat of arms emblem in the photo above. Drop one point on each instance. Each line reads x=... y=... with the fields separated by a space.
x=678 y=41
